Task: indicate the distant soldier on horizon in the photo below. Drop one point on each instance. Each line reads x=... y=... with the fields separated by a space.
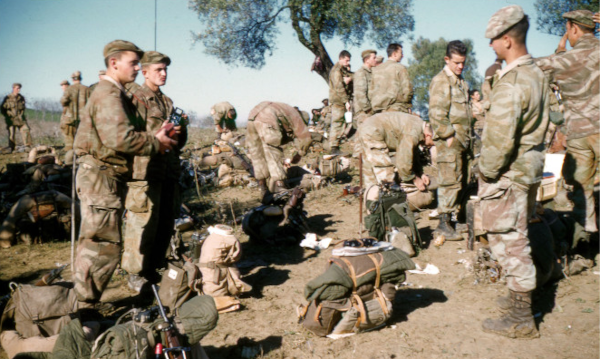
x=13 y=110
x=75 y=97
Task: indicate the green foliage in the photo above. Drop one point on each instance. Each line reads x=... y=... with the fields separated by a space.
x=550 y=20
x=240 y=32
x=428 y=61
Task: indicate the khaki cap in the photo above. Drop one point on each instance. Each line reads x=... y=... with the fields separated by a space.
x=155 y=57
x=16 y=84
x=581 y=17
x=366 y=53
x=379 y=58
x=64 y=82
x=121 y=45
x=101 y=72
x=503 y=20
x=76 y=75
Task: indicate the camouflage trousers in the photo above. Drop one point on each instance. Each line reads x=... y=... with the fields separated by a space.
x=69 y=135
x=580 y=170
x=337 y=125
x=377 y=163
x=264 y=147
x=98 y=252
x=358 y=119
x=506 y=207
x=450 y=162
x=148 y=227
x=12 y=134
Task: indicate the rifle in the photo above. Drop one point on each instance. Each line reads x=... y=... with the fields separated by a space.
x=173 y=346
x=361 y=195
x=51 y=277
x=247 y=166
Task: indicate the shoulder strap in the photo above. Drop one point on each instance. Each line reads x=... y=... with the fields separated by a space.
x=356 y=300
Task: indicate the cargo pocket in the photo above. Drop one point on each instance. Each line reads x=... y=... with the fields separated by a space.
x=137 y=197
x=103 y=219
x=497 y=206
x=271 y=136
x=446 y=162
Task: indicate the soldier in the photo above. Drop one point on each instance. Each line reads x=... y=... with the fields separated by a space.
x=270 y=126
x=152 y=198
x=75 y=98
x=109 y=136
x=224 y=115
x=450 y=119
x=577 y=73
x=391 y=89
x=400 y=132
x=511 y=166
x=340 y=96
x=325 y=117
x=361 y=81
x=13 y=110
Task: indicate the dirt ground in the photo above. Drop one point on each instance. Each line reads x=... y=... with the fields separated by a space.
x=435 y=316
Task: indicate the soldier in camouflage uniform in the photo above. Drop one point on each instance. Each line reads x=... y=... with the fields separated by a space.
x=109 y=136
x=391 y=89
x=340 y=97
x=13 y=110
x=325 y=117
x=270 y=126
x=577 y=73
x=450 y=118
x=152 y=198
x=224 y=115
x=74 y=98
x=400 y=132
x=64 y=116
x=511 y=166
x=361 y=81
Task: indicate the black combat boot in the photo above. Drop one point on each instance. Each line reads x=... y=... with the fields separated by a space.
x=518 y=322
x=446 y=229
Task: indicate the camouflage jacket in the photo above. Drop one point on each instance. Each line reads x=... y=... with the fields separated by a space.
x=577 y=73
x=75 y=98
x=218 y=113
x=402 y=132
x=516 y=123
x=339 y=91
x=110 y=129
x=13 y=109
x=449 y=111
x=287 y=120
x=361 y=81
x=154 y=109
x=390 y=88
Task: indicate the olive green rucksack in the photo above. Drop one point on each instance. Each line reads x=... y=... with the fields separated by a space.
x=389 y=210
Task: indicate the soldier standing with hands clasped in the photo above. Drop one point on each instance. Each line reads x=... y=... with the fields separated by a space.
x=109 y=136
x=13 y=109
x=511 y=165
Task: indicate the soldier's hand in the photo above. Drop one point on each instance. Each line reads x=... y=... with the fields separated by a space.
x=562 y=44
x=219 y=129
x=347 y=80
x=596 y=17
x=420 y=184
x=425 y=179
x=166 y=143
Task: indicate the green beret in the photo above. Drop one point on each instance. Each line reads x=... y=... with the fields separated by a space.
x=16 y=84
x=503 y=20
x=64 y=82
x=581 y=17
x=366 y=53
x=121 y=45
x=76 y=75
x=154 y=57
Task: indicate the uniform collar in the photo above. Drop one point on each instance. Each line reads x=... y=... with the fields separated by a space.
x=116 y=83
x=523 y=60
x=452 y=75
x=586 y=40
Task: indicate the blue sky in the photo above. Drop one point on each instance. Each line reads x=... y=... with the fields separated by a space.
x=43 y=41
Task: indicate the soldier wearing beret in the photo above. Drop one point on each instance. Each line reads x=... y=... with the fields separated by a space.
x=340 y=97
x=391 y=89
x=270 y=126
x=74 y=98
x=361 y=81
x=450 y=118
x=511 y=165
x=13 y=110
x=109 y=136
x=152 y=197
x=577 y=73
x=224 y=115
